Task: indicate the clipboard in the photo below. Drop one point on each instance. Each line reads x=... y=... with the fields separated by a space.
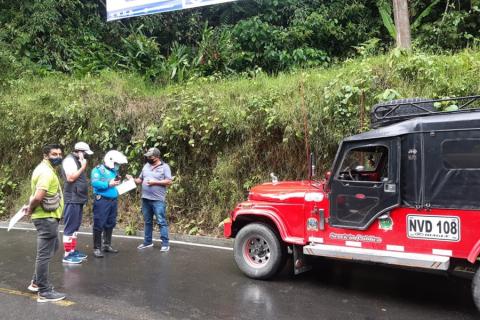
x=126 y=186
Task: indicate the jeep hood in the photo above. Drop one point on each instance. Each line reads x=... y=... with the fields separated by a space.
x=287 y=192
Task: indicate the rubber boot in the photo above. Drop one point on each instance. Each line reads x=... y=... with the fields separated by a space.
x=107 y=242
x=97 y=244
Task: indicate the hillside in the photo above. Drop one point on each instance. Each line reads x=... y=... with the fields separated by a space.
x=221 y=136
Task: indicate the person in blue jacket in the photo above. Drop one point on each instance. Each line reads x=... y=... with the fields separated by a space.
x=104 y=179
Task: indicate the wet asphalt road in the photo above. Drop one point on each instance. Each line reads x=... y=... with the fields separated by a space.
x=203 y=283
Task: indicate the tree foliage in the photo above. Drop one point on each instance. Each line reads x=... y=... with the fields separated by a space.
x=67 y=75
x=240 y=37
x=220 y=137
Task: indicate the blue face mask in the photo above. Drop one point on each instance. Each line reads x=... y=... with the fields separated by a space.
x=55 y=161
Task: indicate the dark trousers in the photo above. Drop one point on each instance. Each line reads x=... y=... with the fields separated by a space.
x=104 y=214
x=47 y=245
x=104 y=219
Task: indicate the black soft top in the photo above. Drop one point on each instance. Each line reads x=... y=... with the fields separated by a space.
x=459 y=120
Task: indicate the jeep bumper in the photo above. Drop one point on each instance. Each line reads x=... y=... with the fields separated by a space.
x=227 y=227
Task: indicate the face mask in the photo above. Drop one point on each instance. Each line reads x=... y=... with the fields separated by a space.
x=55 y=161
x=116 y=167
x=150 y=161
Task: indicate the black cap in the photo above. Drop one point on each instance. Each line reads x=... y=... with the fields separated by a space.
x=152 y=152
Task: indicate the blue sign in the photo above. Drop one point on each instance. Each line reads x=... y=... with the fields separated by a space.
x=119 y=9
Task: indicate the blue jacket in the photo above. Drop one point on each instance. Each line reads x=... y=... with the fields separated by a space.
x=100 y=180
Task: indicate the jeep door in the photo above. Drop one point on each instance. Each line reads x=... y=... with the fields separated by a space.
x=364 y=183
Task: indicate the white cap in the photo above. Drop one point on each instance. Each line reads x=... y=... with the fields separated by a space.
x=82 y=146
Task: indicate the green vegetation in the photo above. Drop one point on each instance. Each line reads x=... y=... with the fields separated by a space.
x=223 y=91
x=220 y=136
x=236 y=38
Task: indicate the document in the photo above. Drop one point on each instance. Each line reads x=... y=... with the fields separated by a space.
x=126 y=186
x=19 y=215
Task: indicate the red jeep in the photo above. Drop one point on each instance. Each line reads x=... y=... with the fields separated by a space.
x=405 y=194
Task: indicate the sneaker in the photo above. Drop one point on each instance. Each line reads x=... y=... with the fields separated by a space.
x=143 y=246
x=71 y=259
x=165 y=248
x=79 y=255
x=97 y=253
x=50 y=296
x=33 y=287
x=109 y=248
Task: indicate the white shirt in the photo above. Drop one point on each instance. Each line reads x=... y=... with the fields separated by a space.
x=69 y=166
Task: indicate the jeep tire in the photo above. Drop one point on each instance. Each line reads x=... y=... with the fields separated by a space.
x=476 y=288
x=258 y=251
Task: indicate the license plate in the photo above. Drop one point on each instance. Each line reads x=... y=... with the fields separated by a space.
x=433 y=227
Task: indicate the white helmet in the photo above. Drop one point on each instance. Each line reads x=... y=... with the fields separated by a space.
x=112 y=157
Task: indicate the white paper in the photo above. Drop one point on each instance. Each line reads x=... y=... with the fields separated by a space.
x=126 y=186
x=19 y=215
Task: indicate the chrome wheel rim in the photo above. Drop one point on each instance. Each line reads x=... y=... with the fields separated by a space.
x=256 y=252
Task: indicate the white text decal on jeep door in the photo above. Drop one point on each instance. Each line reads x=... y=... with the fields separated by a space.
x=433 y=227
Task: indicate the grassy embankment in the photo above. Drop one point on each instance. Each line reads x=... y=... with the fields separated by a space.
x=220 y=136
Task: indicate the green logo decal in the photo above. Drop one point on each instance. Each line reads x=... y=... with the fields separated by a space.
x=385 y=224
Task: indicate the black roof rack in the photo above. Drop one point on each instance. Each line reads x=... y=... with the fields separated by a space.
x=398 y=110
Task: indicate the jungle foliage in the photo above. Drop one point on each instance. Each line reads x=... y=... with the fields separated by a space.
x=223 y=90
x=220 y=137
x=241 y=37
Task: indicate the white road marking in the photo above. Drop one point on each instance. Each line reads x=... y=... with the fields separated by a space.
x=141 y=238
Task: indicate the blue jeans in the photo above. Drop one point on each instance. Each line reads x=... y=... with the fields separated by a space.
x=157 y=208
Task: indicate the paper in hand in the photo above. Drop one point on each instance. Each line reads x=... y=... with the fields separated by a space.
x=126 y=186
x=19 y=215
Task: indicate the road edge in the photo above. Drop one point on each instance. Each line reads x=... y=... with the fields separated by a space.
x=220 y=242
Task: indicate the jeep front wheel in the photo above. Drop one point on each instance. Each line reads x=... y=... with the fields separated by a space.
x=258 y=251
x=476 y=288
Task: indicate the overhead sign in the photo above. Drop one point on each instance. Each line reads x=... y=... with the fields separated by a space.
x=119 y=9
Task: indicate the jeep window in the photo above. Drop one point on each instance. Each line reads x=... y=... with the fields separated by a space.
x=461 y=154
x=365 y=164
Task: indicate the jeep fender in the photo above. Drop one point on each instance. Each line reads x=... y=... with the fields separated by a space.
x=472 y=256
x=274 y=218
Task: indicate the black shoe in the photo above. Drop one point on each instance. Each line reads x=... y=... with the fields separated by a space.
x=108 y=248
x=50 y=296
x=97 y=253
x=97 y=240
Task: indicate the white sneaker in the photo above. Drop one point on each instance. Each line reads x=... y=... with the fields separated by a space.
x=165 y=248
x=143 y=246
x=32 y=287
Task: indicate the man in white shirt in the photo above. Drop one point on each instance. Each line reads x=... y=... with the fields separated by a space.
x=76 y=196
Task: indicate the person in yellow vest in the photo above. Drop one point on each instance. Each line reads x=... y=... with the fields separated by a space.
x=45 y=207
